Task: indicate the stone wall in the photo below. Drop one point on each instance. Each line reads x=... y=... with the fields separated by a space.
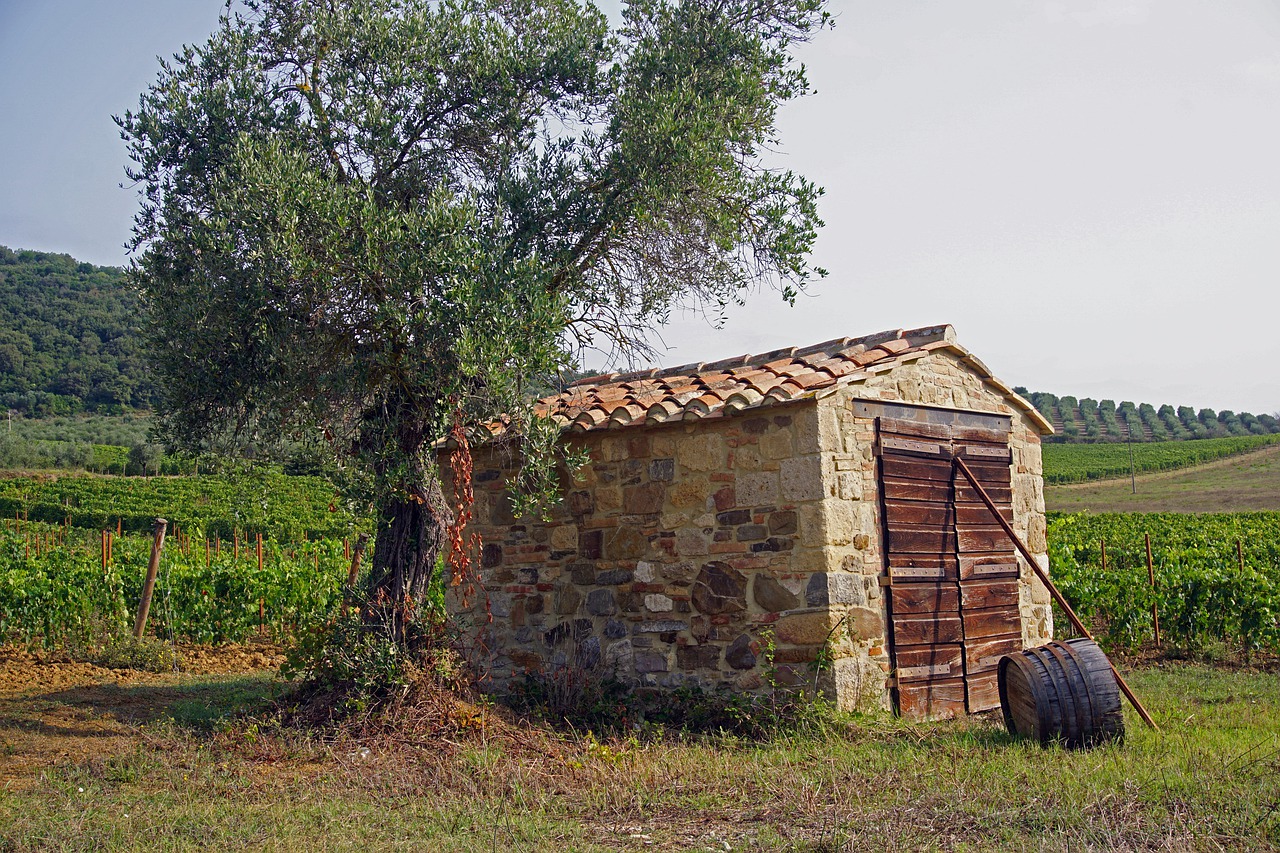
x=673 y=553
x=680 y=547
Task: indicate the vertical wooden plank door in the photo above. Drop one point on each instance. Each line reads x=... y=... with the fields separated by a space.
x=988 y=564
x=926 y=632
x=953 y=590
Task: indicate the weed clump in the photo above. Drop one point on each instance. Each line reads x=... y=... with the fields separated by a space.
x=129 y=652
x=115 y=648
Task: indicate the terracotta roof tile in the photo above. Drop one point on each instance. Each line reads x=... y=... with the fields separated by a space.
x=813 y=379
x=695 y=391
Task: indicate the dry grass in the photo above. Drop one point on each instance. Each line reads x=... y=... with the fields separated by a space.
x=445 y=774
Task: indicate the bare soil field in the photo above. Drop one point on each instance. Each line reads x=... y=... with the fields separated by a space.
x=1244 y=483
x=55 y=710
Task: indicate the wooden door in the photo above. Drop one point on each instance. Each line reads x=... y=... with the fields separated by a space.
x=926 y=631
x=988 y=565
x=953 y=590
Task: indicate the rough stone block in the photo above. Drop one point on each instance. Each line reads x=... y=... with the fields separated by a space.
x=644 y=499
x=568 y=599
x=500 y=605
x=777 y=444
x=719 y=588
x=587 y=653
x=608 y=499
x=627 y=543
x=725 y=498
x=581 y=502
x=620 y=657
x=739 y=654
x=849 y=485
x=757 y=488
x=702 y=452
x=734 y=517
x=601 y=602
x=564 y=537
x=591 y=544
x=613 y=449
x=802 y=478
x=698 y=657
x=501 y=512
x=679 y=574
x=803 y=629
x=491 y=556
x=771 y=595
x=865 y=623
x=688 y=494
x=782 y=523
x=662 y=470
x=747 y=458
x=692 y=542
x=614 y=577
x=658 y=603
x=661 y=626
x=650 y=661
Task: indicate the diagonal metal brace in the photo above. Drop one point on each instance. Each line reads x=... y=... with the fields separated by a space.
x=959 y=464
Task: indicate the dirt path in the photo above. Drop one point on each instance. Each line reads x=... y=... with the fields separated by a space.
x=54 y=710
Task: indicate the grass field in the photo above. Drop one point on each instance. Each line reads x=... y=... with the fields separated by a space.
x=1236 y=484
x=186 y=776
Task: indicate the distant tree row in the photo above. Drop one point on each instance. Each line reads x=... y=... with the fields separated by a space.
x=69 y=339
x=1088 y=420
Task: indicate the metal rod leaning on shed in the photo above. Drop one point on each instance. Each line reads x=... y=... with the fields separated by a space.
x=149 y=585
x=1053 y=590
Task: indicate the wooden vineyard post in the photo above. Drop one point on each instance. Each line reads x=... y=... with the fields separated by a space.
x=208 y=554
x=1049 y=585
x=1240 y=553
x=111 y=545
x=262 y=610
x=102 y=540
x=149 y=585
x=1151 y=576
x=354 y=572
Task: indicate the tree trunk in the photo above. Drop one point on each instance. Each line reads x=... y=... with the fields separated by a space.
x=412 y=533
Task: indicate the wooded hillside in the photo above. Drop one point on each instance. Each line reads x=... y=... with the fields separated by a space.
x=69 y=337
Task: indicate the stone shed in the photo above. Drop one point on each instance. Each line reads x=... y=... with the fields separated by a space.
x=738 y=517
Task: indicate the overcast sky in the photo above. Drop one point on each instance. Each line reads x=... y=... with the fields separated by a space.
x=1088 y=191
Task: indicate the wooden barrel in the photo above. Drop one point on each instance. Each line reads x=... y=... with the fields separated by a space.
x=1063 y=692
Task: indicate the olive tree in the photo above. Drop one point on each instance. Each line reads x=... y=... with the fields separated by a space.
x=375 y=220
